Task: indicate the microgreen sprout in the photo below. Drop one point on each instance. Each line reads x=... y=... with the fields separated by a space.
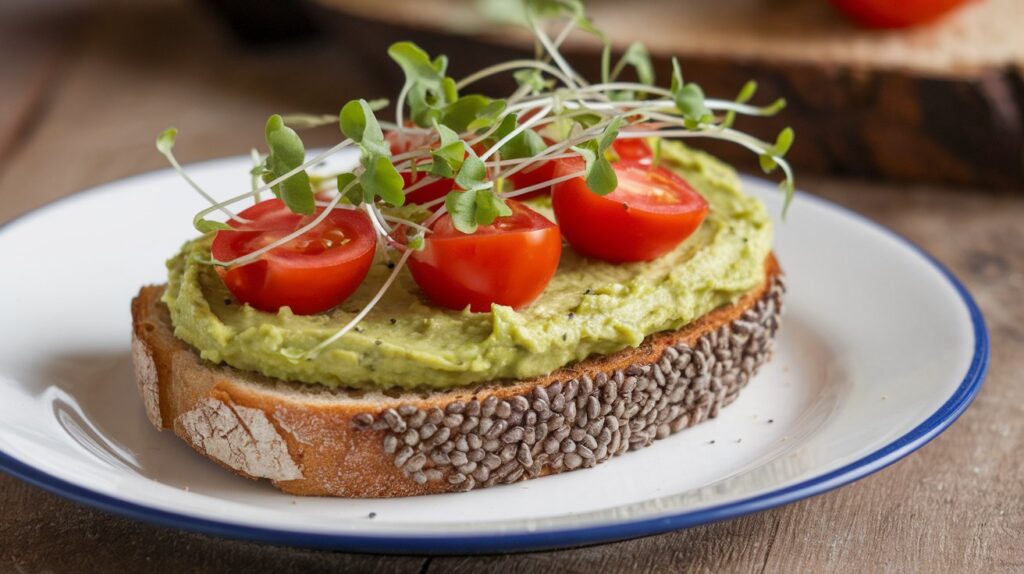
x=480 y=141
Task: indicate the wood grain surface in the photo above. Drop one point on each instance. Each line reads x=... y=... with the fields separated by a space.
x=80 y=103
x=942 y=103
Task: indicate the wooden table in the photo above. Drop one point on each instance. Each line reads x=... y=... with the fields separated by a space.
x=83 y=91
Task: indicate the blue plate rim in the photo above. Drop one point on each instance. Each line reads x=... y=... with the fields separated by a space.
x=917 y=437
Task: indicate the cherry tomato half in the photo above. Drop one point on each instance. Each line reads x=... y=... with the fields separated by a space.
x=633 y=149
x=310 y=273
x=402 y=142
x=533 y=175
x=650 y=212
x=894 y=14
x=509 y=262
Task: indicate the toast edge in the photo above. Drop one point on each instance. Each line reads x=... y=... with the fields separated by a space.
x=343 y=449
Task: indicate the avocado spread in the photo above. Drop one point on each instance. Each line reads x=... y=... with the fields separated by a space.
x=590 y=307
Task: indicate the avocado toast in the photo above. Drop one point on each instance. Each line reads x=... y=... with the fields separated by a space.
x=531 y=286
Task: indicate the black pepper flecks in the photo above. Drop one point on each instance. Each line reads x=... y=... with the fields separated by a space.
x=572 y=315
x=378 y=342
x=227 y=301
x=770 y=421
x=393 y=320
x=372 y=515
x=390 y=264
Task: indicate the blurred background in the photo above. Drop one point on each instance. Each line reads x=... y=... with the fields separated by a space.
x=908 y=111
x=913 y=91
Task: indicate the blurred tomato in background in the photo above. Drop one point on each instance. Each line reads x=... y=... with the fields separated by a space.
x=895 y=13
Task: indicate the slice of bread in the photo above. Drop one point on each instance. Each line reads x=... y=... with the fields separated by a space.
x=311 y=440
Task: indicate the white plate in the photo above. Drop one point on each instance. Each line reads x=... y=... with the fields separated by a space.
x=880 y=350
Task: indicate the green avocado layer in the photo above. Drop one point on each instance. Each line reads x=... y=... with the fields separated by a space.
x=590 y=307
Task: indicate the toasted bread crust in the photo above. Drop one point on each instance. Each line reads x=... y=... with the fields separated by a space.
x=318 y=441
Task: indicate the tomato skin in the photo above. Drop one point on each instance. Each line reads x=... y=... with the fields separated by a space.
x=303 y=274
x=429 y=192
x=402 y=143
x=537 y=173
x=633 y=149
x=883 y=14
x=631 y=223
x=508 y=263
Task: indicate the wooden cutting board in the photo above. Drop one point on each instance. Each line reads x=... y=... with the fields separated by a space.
x=941 y=103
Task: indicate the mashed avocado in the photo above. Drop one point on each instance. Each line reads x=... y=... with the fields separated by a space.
x=590 y=307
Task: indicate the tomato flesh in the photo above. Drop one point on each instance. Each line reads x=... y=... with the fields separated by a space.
x=509 y=262
x=894 y=14
x=311 y=273
x=648 y=215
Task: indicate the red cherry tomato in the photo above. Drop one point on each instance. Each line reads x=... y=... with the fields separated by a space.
x=509 y=262
x=633 y=149
x=310 y=273
x=402 y=142
x=650 y=212
x=533 y=175
x=894 y=13
x=429 y=192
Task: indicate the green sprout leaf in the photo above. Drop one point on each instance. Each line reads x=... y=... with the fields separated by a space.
x=208 y=225
x=349 y=188
x=448 y=157
x=461 y=205
x=690 y=101
x=783 y=142
x=470 y=109
x=429 y=90
x=534 y=79
x=768 y=163
x=381 y=179
x=473 y=173
x=547 y=9
x=636 y=55
x=287 y=153
x=526 y=143
x=358 y=122
x=417 y=65
x=601 y=178
x=746 y=93
x=475 y=207
x=486 y=117
x=490 y=207
x=610 y=134
x=775 y=107
x=165 y=141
